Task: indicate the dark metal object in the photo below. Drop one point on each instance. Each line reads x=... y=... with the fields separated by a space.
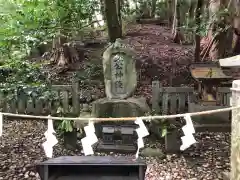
x=119 y=138
x=92 y=168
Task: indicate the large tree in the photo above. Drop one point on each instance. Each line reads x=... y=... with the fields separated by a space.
x=236 y=27
x=113 y=18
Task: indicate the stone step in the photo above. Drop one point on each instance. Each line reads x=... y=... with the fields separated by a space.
x=116 y=148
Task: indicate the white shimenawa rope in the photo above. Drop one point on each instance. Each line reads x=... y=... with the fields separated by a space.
x=124 y=118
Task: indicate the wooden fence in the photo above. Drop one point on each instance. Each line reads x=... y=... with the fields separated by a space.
x=66 y=97
x=165 y=100
x=172 y=100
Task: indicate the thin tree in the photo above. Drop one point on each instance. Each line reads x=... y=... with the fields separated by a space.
x=198 y=24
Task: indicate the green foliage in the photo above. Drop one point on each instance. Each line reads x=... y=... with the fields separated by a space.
x=19 y=76
x=91 y=72
x=66 y=126
x=26 y=24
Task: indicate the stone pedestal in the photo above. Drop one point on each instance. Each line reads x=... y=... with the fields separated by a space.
x=130 y=107
x=118 y=136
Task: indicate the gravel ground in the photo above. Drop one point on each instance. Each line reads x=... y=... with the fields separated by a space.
x=20 y=149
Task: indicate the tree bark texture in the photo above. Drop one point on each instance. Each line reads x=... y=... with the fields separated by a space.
x=236 y=28
x=197 y=35
x=112 y=18
x=177 y=36
x=215 y=35
x=170 y=12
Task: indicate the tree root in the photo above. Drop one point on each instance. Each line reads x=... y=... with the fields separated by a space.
x=65 y=55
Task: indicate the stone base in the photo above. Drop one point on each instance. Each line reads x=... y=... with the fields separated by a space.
x=116 y=148
x=120 y=107
x=131 y=107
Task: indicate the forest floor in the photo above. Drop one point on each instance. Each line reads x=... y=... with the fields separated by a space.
x=157 y=58
x=157 y=55
x=21 y=149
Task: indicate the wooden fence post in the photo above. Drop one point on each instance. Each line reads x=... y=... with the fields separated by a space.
x=235 y=136
x=75 y=98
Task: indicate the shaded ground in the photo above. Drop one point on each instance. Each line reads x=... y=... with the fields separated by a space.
x=158 y=58
x=20 y=150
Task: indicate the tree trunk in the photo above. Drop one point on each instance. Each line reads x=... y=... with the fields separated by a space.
x=236 y=28
x=154 y=3
x=197 y=35
x=217 y=38
x=112 y=17
x=191 y=9
x=177 y=35
x=119 y=7
x=170 y=12
x=64 y=53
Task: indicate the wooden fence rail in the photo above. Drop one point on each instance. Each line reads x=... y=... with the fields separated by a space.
x=170 y=100
x=66 y=97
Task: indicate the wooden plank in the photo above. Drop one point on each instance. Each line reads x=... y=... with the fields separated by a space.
x=30 y=106
x=228 y=96
x=190 y=97
x=155 y=96
x=48 y=106
x=165 y=103
x=55 y=106
x=182 y=102
x=65 y=102
x=75 y=98
x=21 y=102
x=223 y=90
x=219 y=98
x=224 y=99
x=13 y=105
x=61 y=87
x=230 y=62
x=38 y=106
x=177 y=89
x=173 y=103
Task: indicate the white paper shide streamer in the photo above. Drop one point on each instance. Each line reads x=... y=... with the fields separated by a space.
x=141 y=132
x=1 y=124
x=51 y=139
x=188 y=130
x=89 y=140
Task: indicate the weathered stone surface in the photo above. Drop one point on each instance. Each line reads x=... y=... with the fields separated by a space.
x=235 y=135
x=120 y=107
x=120 y=74
x=151 y=152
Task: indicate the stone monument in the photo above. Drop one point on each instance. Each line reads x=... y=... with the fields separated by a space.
x=120 y=74
x=120 y=79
